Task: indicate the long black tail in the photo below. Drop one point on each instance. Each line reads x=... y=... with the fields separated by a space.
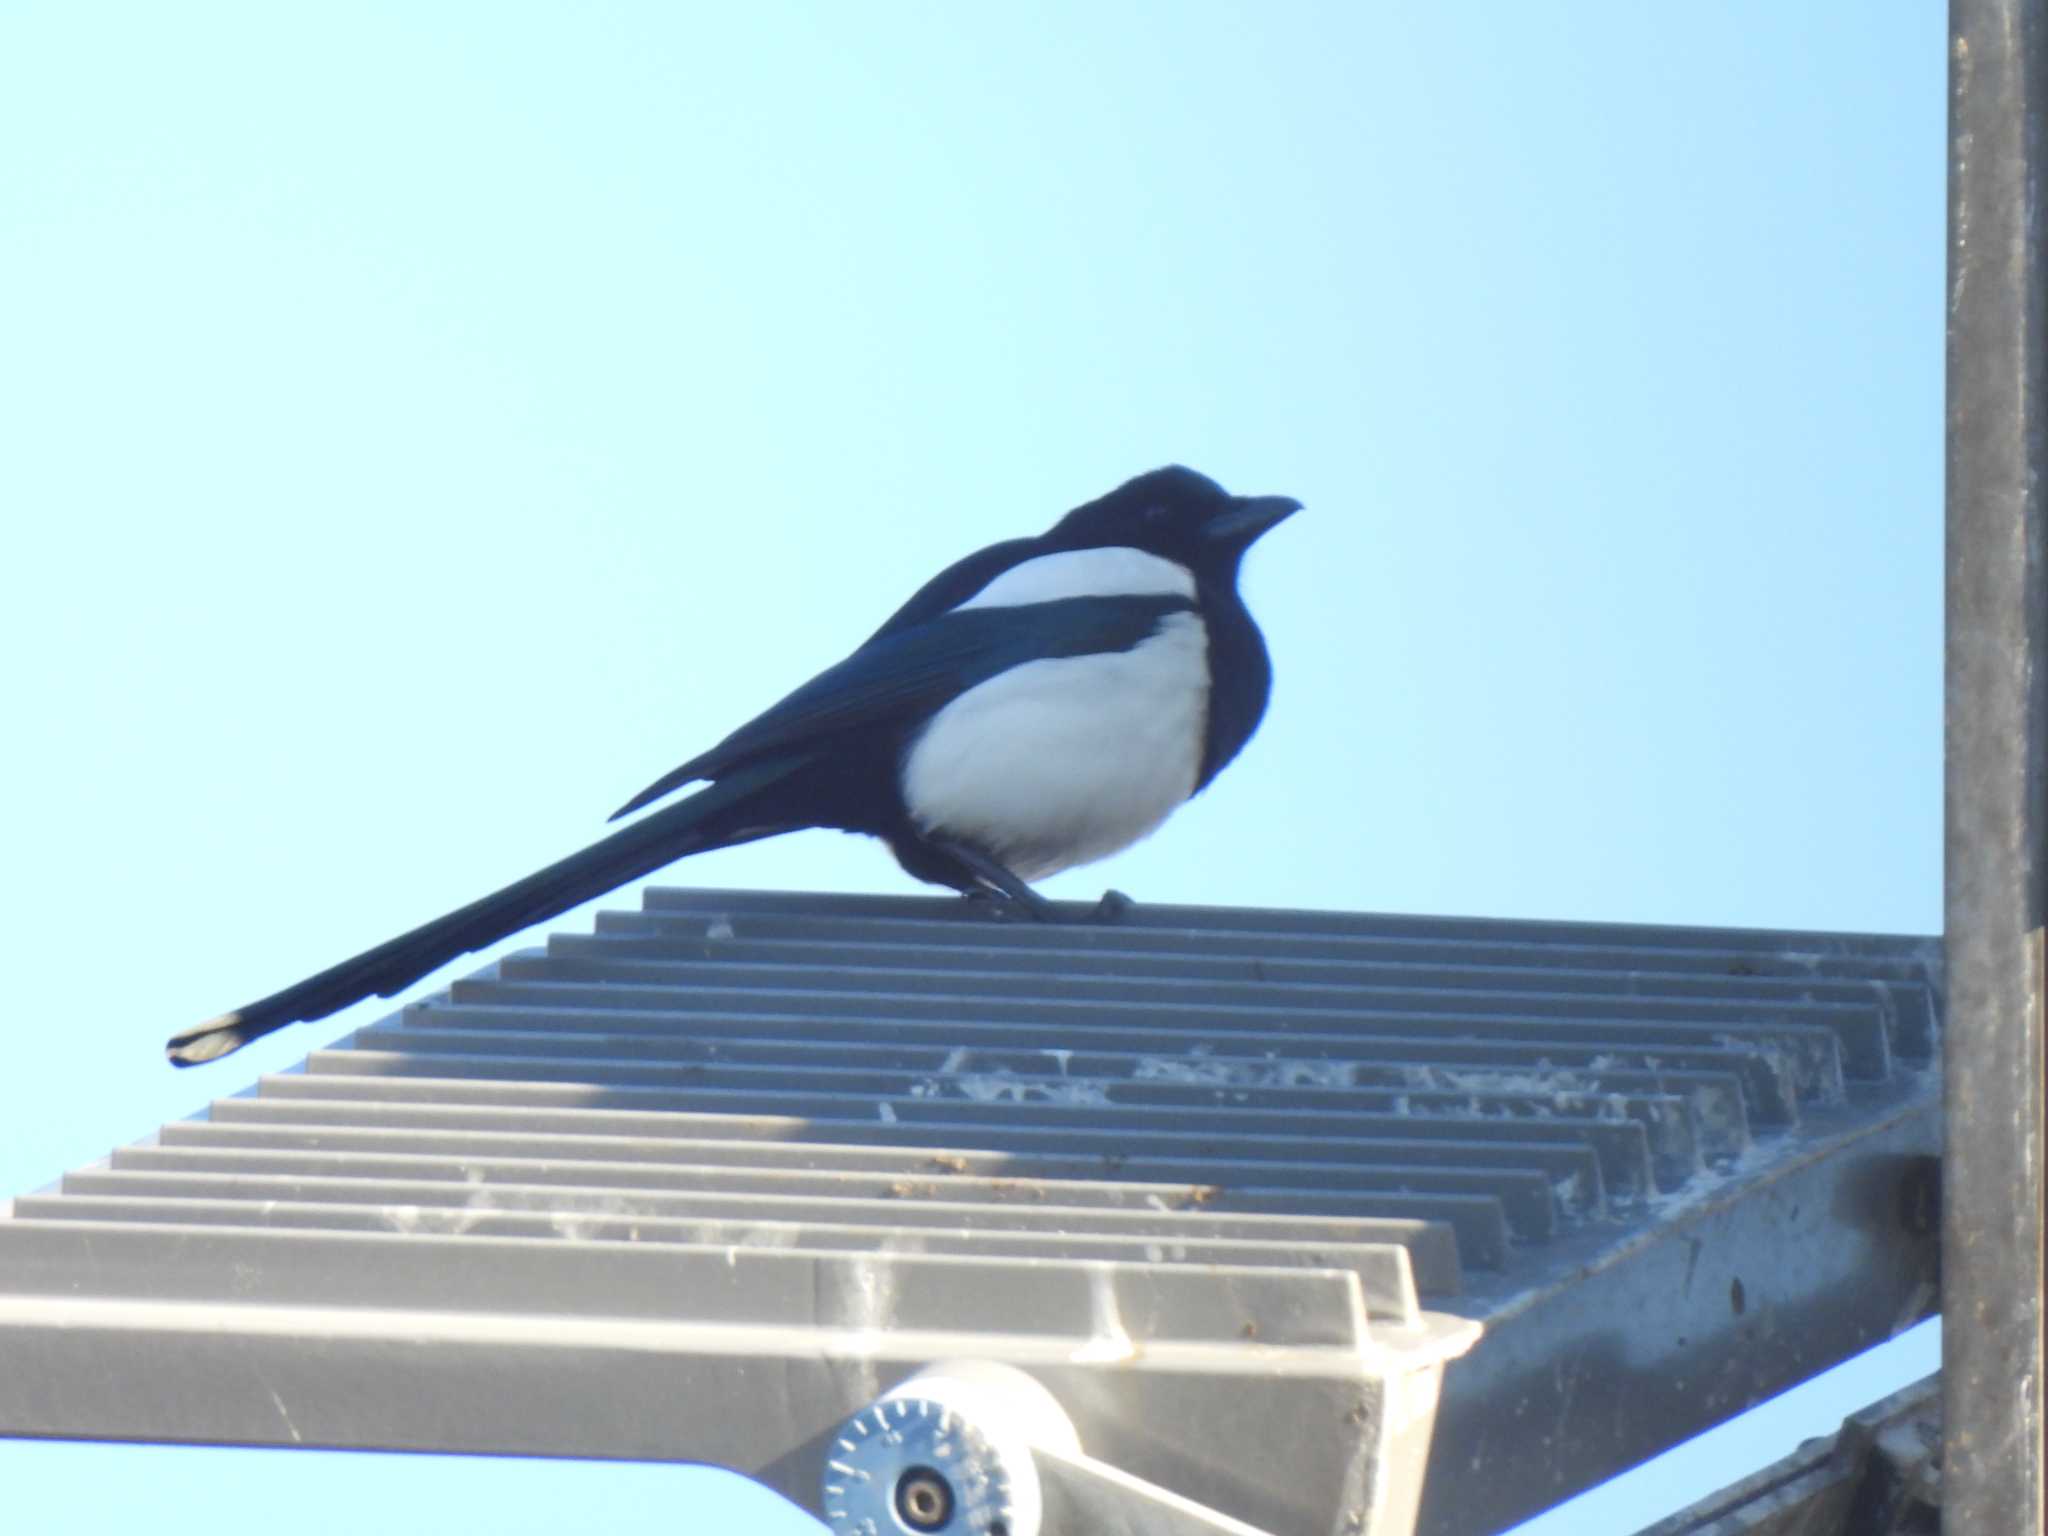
x=715 y=817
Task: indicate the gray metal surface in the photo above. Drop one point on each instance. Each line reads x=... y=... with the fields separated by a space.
x=1880 y=1476
x=1997 y=755
x=1235 y=1185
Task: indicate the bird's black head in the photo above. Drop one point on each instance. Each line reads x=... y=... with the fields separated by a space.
x=1178 y=514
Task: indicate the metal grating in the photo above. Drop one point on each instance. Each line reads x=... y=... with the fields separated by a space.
x=1221 y=1143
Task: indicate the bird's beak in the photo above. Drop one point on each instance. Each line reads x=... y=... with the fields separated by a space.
x=1247 y=517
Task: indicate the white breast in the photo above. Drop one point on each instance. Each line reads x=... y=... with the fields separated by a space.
x=1060 y=762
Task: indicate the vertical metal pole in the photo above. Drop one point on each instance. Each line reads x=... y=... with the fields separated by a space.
x=1997 y=684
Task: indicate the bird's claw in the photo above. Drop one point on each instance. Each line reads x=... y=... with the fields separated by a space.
x=1004 y=907
x=1112 y=908
x=1010 y=907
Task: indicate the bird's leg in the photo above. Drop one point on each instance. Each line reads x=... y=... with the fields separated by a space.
x=996 y=878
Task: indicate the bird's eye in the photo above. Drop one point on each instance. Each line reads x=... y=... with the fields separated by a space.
x=1155 y=515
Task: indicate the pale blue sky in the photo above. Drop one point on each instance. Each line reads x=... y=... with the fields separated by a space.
x=425 y=424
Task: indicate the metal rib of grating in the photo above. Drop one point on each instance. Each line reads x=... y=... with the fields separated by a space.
x=1217 y=1128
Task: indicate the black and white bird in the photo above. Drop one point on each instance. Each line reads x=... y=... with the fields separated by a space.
x=1038 y=705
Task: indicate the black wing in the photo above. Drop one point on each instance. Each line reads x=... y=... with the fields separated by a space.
x=906 y=674
x=958 y=582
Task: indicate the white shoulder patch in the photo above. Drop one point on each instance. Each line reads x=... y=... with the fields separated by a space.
x=1118 y=571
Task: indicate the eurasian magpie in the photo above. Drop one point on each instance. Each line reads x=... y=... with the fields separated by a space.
x=1040 y=704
